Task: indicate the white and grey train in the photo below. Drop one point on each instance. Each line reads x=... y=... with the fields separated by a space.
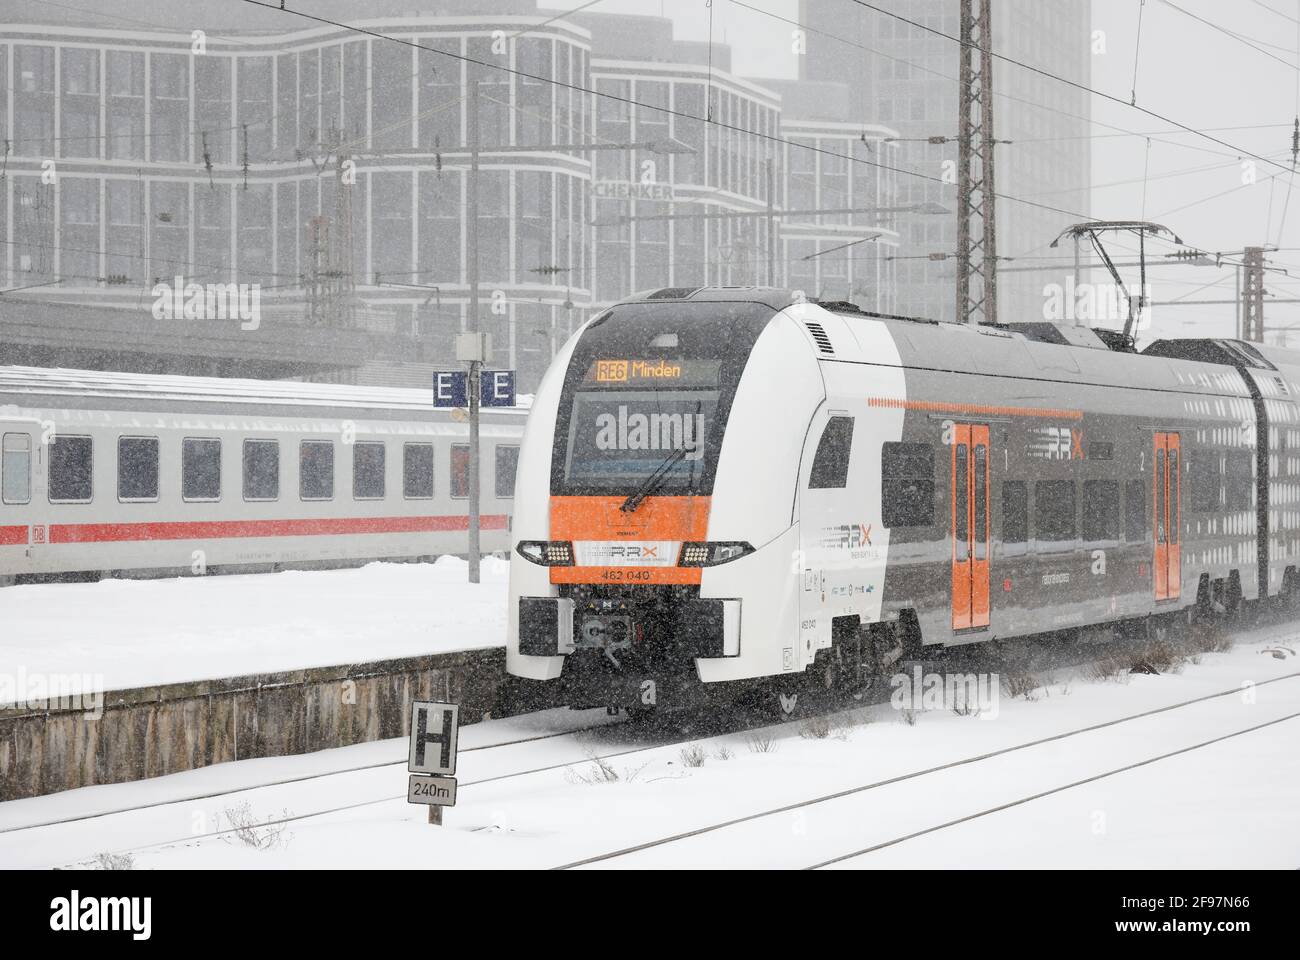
x=723 y=488
x=132 y=474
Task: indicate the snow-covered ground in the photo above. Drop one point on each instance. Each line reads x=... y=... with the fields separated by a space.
x=132 y=633
x=1230 y=804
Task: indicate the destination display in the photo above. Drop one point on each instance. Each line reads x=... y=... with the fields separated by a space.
x=638 y=371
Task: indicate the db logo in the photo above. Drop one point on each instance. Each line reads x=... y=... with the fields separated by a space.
x=38 y=533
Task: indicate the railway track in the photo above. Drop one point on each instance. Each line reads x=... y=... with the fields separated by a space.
x=576 y=752
x=573 y=752
x=841 y=858
x=686 y=838
x=284 y=781
x=744 y=722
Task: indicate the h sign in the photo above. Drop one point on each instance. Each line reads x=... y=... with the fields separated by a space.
x=497 y=388
x=433 y=738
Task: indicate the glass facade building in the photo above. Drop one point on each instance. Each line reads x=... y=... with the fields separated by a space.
x=331 y=169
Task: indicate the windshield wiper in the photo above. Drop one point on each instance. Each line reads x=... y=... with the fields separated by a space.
x=653 y=482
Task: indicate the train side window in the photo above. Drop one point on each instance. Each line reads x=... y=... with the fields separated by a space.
x=1239 y=480
x=1054 y=511
x=16 y=468
x=1100 y=510
x=137 y=469
x=1015 y=511
x=200 y=469
x=316 y=470
x=417 y=471
x=460 y=470
x=1204 y=481
x=830 y=466
x=72 y=467
x=1136 y=513
x=907 y=484
x=507 y=464
x=367 y=471
x=261 y=469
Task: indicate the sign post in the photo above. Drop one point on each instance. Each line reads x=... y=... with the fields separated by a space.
x=480 y=388
x=432 y=759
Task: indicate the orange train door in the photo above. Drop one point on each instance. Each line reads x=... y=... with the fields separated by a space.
x=1168 y=516
x=970 y=526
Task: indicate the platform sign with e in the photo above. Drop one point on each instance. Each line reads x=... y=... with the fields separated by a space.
x=496 y=388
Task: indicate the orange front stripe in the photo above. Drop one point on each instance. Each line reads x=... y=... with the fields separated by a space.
x=600 y=519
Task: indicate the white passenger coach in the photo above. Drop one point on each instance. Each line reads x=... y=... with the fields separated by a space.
x=133 y=474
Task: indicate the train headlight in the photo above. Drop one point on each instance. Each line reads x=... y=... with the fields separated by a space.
x=546 y=553
x=711 y=553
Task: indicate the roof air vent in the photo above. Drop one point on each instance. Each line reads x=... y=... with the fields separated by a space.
x=819 y=334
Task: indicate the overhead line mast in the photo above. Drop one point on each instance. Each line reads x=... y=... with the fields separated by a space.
x=977 y=300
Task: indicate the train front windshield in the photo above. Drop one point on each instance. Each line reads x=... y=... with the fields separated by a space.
x=628 y=425
x=646 y=397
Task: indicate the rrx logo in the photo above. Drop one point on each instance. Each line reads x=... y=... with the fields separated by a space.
x=849 y=536
x=632 y=551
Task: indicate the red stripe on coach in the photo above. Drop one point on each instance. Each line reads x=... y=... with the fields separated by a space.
x=13 y=536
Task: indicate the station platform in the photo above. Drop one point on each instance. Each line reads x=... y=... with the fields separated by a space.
x=128 y=634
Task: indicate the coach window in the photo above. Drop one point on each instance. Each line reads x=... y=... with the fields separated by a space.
x=1100 y=510
x=16 y=468
x=316 y=470
x=1238 y=480
x=1054 y=511
x=459 y=470
x=1015 y=512
x=1135 y=511
x=200 y=469
x=1204 y=480
x=367 y=471
x=261 y=469
x=907 y=481
x=71 y=469
x=830 y=467
x=417 y=471
x=137 y=469
x=507 y=464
